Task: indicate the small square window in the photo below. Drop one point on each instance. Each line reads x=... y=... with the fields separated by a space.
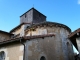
x=25 y=15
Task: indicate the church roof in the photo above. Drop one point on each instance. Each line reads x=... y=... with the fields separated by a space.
x=32 y=9
x=18 y=27
x=51 y=24
x=74 y=34
x=24 y=38
x=73 y=37
x=5 y=32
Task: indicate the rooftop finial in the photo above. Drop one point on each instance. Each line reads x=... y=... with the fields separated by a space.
x=33 y=5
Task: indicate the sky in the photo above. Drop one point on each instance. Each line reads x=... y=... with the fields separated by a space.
x=62 y=11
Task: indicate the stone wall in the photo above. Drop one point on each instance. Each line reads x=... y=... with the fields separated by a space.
x=49 y=47
x=13 y=51
x=53 y=48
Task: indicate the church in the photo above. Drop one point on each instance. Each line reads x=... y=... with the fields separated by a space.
x=35 y=38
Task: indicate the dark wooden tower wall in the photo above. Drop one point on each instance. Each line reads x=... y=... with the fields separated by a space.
x=32 y=16
x=38 y=17
x=27 y=17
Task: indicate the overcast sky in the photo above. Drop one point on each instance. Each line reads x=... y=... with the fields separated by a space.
x=62 y=11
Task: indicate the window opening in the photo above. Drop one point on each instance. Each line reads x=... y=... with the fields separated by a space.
x=2 y=55
x=42 y=58
x=25 y=15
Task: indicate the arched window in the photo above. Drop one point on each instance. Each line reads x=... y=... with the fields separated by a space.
x=2 y=55
x=42 y=58
x=68 y=43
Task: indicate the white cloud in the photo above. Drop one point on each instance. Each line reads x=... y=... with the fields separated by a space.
x=78 y=1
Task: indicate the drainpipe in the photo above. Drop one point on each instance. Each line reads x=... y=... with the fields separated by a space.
x=24 y=48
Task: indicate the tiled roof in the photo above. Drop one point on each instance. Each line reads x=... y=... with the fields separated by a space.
x=18 y=26
x=5 y=32
x=74 y=33
x=50 y=23
x=25 y=38
x=73 y=37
